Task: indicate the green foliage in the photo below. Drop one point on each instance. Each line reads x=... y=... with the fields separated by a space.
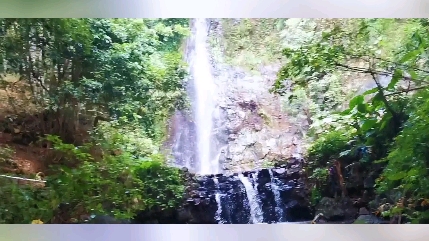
x=316 y=196
x=267 y=164
x=118 y=185
x=316 y=104
x=242 y=38
x=127 y=136
x=328 y=147
x=130 y=70
x=407 y=162
x=375 y=118
x=5 y=154
x=98 y=187
x=320 y=174
x=340 y=45
x=118 y=67
x=162 y=185
x=20 y=205
x=319 y=177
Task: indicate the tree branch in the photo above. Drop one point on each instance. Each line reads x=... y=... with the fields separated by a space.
x=395 y=116
x=407 y=90
x=369 y=71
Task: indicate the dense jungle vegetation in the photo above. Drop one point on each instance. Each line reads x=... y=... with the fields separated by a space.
x=91 y=98
x=382 y=130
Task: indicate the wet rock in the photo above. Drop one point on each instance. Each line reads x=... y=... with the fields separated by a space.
x=279 y=171
x=202 y=207
x=291 y=183
x=222 y=179
x=263 y=173
x=293 y=161
x=336 y=210
x=368 y=219
x=195 y=194
x=247 y=173
x=319 y=219
x=369 y=182
x=364 y=211
x=183 y=215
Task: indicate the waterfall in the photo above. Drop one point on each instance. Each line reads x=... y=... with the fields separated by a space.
x=201 y=140
x=197 y=139
x=204 y=87
x=277 y=198
x=218 y=216
x=256 y=215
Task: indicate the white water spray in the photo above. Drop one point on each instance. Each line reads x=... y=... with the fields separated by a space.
x=218 y=216
x=252 y=197
x=205 y=91
x=277 y=198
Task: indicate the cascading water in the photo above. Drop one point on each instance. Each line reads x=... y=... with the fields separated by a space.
x=199 y=136
x=200 y=141
x=218 y=216
x=204 y=103
x=277 y=198
x=256 y=215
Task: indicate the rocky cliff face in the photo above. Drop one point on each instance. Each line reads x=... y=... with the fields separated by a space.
x=256 y=129
x=250 y=128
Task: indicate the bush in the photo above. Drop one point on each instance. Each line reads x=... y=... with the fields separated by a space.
x=407 y=162
x=21 y=205
x=327 y=147
x=118 y=185
x=163 y=186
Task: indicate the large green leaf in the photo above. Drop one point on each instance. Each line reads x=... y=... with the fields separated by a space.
x=368 y=124
x=397 y=75
x=356 y=101
x=371 y=91
x=363 y=108
x=410 y=56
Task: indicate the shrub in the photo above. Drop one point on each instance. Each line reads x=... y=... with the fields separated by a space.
x=328 y=146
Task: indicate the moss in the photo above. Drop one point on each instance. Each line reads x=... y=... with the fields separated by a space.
x=264 y=116
x=267 y=164
x=250 y=43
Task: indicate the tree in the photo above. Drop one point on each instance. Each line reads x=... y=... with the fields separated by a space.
x=385 y=119
x=129 y=73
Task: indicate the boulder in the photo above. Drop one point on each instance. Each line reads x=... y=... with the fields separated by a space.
x=368 y=219
x=336 y=209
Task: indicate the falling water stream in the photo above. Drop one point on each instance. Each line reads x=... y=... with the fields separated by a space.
x=252 y=197
x=277 y=198
x=218 y=216
x=204 y=104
